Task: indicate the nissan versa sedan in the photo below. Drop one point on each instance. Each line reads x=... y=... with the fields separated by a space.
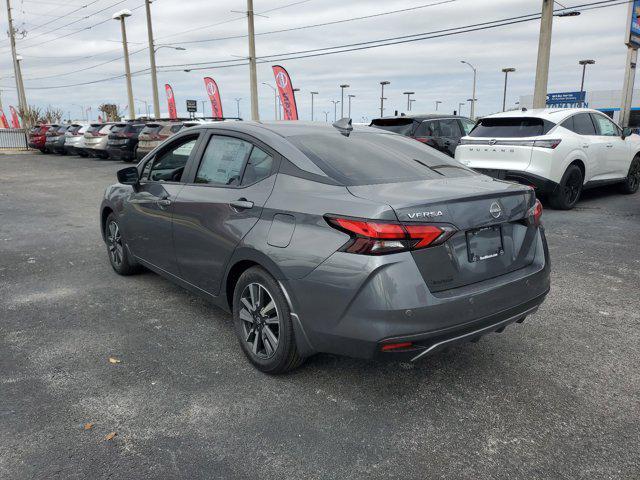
x=340 y=239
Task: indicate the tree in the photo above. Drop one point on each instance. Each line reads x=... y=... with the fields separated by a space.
x=111 y=111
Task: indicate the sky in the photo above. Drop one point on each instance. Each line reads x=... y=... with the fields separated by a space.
x=59 y=53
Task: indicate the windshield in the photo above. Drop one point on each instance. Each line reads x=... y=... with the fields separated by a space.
x=371 y=158
x=511 y=127
x=403 y=126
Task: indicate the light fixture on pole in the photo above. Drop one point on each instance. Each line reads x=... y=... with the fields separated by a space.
x=275 y=99
x=382 y=99
x=350 y=97
x=506 y=72
x=473 y=94
x=342 y=87
x=313 y=94
x=438 y=102
x=335 y=109
x=408 y=94
x=121 y=15
x=584 y=64
x=326 y=116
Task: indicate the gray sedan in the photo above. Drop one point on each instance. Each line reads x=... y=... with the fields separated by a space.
x=321 y=238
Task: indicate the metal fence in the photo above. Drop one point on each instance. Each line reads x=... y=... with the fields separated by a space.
x=13 y=139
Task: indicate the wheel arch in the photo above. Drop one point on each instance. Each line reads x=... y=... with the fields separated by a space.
x=104 y=213
x=582 y=166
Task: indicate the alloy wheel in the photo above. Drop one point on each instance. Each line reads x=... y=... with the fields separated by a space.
x=634 y=176
x=260 y=320
x=114 y=242
x=572 y=187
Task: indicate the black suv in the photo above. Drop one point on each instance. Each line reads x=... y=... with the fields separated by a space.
x=442 y=132
x=123 y=141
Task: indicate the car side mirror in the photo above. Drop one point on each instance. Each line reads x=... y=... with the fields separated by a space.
x=626 y=132
x=128 y=176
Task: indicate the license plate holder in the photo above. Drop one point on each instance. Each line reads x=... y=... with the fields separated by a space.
x=484 y=243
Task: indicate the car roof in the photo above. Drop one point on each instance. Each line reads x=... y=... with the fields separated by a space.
x=285 y=128
x=554 y=115
x=422 y=116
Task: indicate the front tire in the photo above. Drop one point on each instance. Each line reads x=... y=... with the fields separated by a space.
x=263 y=323
x=568 y=192
x=632 y=182
x=119 y=257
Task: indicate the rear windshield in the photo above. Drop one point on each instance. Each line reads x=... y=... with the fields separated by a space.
x=118 y=128
x=94 y=128
x=403 y=126
x=151 y=129
x=370 y=158
x=511 y=127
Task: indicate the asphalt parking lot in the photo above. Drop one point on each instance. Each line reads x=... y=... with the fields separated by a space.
x=555 y=397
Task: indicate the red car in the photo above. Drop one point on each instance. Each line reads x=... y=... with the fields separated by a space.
x=38 y=136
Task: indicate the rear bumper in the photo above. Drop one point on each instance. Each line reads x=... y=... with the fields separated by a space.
x=353 y=305
x=540 y=184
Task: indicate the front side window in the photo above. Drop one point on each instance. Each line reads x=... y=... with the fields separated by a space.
x=223 y=161
x=605 y=126
x=168 y=166
x=428 y=128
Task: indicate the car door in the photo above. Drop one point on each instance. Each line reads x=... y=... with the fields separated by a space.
x=589 y=143
x=616 y=150
x=220 y=204
x=147 y=212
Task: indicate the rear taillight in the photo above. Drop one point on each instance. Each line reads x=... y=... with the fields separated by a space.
x=534 y=216
x=425 y=140
x=553 y=143
x=378 y=238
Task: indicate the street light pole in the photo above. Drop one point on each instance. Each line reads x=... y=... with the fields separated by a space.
x=438 y=102
x=326 y=116
x=473 y=95
x=121 y=15
x=275 y=100
x=584 y=64
x=506 y=72
x=238 y=106
x=382 y=84
x=460 y=105
x=342 y=87
x=312 y=95
x=152 y=61
x=253 y=75
x=350 y=97
x=408 y=94
x=335 y=109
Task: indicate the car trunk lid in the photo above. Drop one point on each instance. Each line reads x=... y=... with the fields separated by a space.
x=493 y=235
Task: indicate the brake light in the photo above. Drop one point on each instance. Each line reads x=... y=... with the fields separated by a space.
x=553 y=143
x=390 y=347
x=428 y=141
x=378 y=238
x=535 y=214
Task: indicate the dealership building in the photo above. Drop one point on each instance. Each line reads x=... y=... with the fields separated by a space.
x=607 y=101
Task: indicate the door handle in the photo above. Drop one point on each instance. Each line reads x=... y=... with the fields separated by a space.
x=241 y=204
x=585 y=146
x=609 y=145
x=163 y=202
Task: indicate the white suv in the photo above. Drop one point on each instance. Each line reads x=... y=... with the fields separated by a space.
x=557 y=151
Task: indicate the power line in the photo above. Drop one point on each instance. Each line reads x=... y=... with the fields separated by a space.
x=63 y=16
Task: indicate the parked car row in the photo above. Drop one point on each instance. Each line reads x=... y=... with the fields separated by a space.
x=126 y=141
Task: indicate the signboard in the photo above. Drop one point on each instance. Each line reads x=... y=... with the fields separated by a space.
x=566 y=100
x=192 y=106
x=633 y=19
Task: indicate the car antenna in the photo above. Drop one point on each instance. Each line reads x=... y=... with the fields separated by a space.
x=344 y=125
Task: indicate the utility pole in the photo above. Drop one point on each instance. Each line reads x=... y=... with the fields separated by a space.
x=382 y=84
x=473 y=92
x=152 y=60
x=506 y=72
x=121 y=15
x=544 y=53
x=350 y=97
x=312 y=95
x=627 y=86
x=17 y=73
x=342 y=87
x=253 y=74
x=408 y=94
x=584 y=64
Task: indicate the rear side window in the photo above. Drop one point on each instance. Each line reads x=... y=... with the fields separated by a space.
x=580 y=124
x=511 y=127
x=467 y=126
x=223 y=161
x=403 y=126
x=370 y=158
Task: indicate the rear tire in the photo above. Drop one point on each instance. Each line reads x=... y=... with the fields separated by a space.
x=263 y=323
x=632 y=182
x=119 y=257
x=568 y=192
